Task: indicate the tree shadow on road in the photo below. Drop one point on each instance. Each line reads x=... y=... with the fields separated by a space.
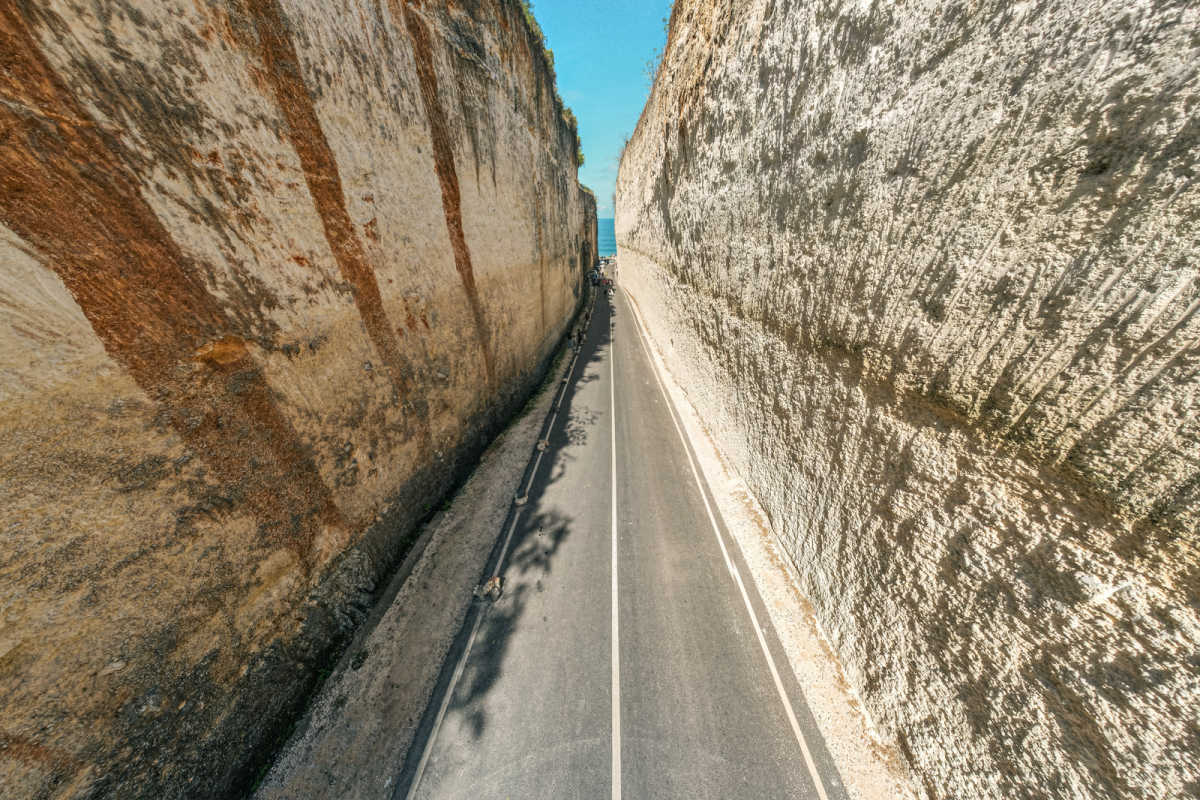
x=542 y=528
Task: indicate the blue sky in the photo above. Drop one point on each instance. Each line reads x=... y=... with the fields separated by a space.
x=600 y=51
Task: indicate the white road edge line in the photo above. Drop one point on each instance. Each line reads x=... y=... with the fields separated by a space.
x=616 y=637
x=762 y=641
x=462 y=660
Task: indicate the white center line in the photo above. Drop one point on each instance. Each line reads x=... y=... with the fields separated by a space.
x=616 y=639
x=762 y=641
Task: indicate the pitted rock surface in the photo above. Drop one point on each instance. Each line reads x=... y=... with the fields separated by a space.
x=929 y=272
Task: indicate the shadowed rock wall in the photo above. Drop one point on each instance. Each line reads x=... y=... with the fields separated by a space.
x=930 y=272
x=272 y=273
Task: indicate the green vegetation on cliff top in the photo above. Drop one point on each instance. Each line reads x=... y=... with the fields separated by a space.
x=565 y=112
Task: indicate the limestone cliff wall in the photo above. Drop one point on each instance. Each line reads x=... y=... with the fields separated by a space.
x=272 y=272
x=930 y=272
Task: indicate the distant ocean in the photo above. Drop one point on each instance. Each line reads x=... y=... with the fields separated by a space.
x=606 y=231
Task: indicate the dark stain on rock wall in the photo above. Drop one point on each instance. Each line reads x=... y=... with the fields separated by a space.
x=443 y=156
x=325 y=184
x=63 y=189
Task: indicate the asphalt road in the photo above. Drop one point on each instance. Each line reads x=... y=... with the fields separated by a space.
x=629 y=654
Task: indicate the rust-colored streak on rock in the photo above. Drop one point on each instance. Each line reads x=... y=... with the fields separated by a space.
x=443 y=159
x=64 y=190
x=539 y=233
x=28 y=751
x=325 y=182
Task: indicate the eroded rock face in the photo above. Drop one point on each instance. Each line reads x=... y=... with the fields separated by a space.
x=929 y=271
x=272 y=272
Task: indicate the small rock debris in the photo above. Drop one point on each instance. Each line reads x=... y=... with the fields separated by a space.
x=491 y=589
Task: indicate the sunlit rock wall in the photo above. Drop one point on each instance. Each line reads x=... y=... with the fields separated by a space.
x=929 y=272
x=271 y=273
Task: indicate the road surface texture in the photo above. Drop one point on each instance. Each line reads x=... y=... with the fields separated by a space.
x=626 y=657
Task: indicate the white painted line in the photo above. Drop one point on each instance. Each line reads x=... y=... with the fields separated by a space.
x=762 y=641
x=616 y=636
x=462 y=660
